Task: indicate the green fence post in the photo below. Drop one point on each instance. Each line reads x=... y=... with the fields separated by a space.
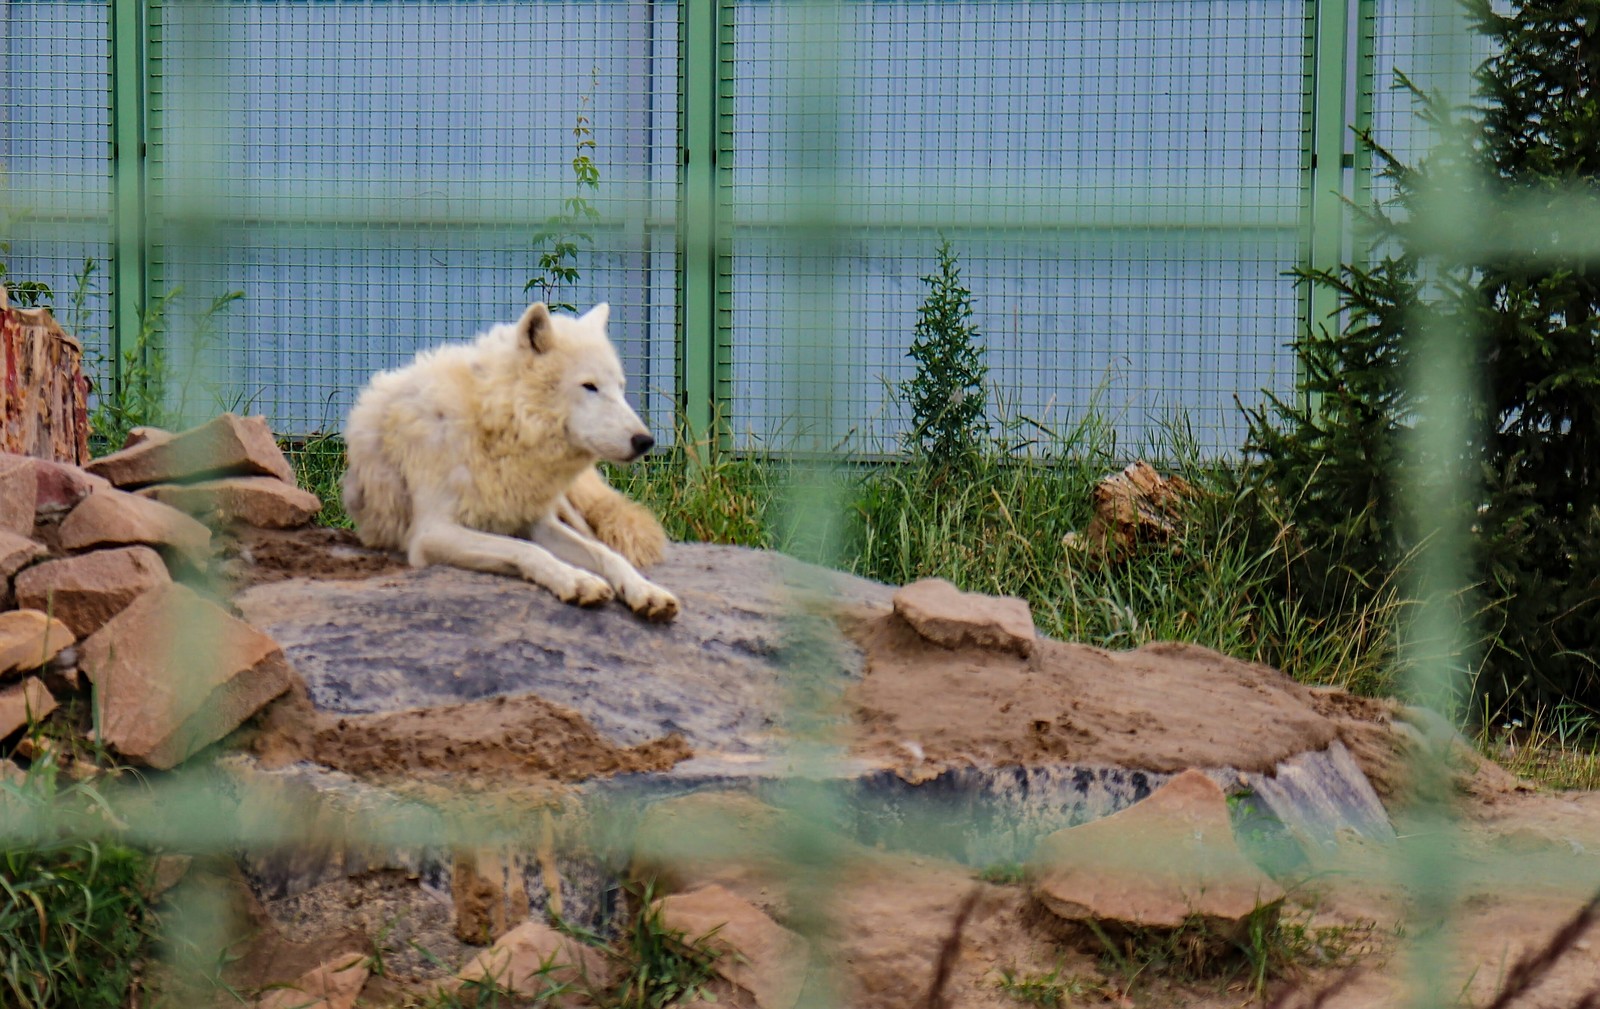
x=704 y=267
x=1325 y=225
x=127 y=158
x=1366 y=81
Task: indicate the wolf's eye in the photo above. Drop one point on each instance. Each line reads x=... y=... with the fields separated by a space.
x=591 y=387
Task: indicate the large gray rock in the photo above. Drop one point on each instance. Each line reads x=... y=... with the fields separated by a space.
x=442 y=635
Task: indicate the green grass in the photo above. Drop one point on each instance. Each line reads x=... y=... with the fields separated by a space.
x=997 y=525
x=319 y=464
x=1270 y=946
x=657 y=966
x=1050 y=989
x=73 y=915
x=1003 y=873
x=1555 y=748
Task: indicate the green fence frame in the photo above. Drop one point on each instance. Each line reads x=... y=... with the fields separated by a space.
x=129 y=47
x=1339 y=45
x=705 y=273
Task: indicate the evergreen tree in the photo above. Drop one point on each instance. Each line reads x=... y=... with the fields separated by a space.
x=1524 y=302
x=946 y=395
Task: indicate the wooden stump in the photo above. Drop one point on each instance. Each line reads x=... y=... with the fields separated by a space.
x=44 y=397
x=1138 y=505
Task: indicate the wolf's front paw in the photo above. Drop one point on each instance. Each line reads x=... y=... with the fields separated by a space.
x=652 y=602
x=585 y=590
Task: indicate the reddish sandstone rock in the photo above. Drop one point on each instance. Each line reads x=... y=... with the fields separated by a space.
x=22 y=702
x=17 y=552
x=758 y=954
x=261 y=501
x=19 y=494
x=87 y=590
x=114 y=518
x=175 y=672
x=228 y=446
x=31 y=638
x=944 y=615
x=333 y=985
x=1157 y=864
x=532 y=959
x=58 y=486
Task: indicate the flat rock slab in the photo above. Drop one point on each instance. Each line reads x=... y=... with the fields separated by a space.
x=87 y=590
x=229 y=445
x=21 y=703
x=1155 y=864
x=112 y=518
x=756 y=953
x=420 y=638
x=17 y=552
x=19 y=495
x=31 y=638
x=1163 y=707
x=946 y=616
x=175 y=672
x=262 y=501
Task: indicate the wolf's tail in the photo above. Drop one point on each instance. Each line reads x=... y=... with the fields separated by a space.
x=375 y=495
x=627 y=527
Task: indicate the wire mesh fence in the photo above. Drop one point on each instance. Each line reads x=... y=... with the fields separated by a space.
x=1122 y=182
x=55 y=146
x=1126 y=184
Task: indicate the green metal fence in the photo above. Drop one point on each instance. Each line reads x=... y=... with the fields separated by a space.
x=1126 y=184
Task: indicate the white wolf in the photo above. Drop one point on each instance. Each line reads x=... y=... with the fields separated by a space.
x=474 y=453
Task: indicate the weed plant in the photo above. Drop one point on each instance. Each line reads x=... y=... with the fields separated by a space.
x=73 y=913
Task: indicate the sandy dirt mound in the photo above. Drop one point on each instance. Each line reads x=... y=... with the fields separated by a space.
x=1164 y=707
x=503 y=738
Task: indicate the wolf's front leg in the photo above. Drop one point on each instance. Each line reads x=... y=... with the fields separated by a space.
x=438 y=541
x=644 y=597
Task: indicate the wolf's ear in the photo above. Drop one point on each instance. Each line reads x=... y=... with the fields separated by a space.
x=597 y=315
x=535 y=327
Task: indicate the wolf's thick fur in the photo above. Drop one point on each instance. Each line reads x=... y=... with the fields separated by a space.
x=475 y=453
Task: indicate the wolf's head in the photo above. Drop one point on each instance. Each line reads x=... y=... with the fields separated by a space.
x=587 y=380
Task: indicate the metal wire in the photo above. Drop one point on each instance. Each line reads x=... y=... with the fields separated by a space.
x=55 y=147
x=1123 y=181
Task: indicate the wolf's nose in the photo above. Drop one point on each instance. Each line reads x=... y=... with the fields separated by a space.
x=642 y=443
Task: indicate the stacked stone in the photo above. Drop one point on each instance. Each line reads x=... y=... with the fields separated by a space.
x=94 y=561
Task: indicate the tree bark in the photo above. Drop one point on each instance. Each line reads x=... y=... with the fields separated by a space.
x=44 y=397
